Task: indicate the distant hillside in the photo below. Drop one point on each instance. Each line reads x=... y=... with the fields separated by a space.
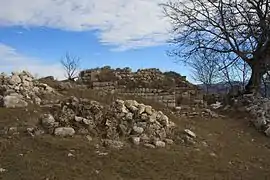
x=222 y=87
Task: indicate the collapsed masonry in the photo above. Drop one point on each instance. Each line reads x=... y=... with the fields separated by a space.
x=117 y=123
x=19 y=89
x=168 y=88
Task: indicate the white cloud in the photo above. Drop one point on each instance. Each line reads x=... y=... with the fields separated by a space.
x=11 y=60
x=123 y=23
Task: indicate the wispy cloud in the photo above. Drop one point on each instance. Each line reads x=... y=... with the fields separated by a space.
x=11 y=60
x=124 y=24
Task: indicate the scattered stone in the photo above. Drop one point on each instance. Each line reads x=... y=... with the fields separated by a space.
x=78 y=119
x=120 y=120
x=89 y=138
x=189 y=140
x=2 y=170
x=48 y=120
x=160 y=144
x=136 y=140
x=169 y=141
x=14 y=101
x=70 y=155
x=138 y=130
x=113 y=143
x=83 y=131
x=190 y=133
x=213 y=154
x=20 y=89
x=267 y=132
x=216 y=105
x=64 y=131
x=211 y=113
x=148 y=110
x=151 y=146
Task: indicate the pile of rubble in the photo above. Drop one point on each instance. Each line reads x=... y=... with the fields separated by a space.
x=192 y=112
x=19 y=89
x=259 y=109
x=115 y=124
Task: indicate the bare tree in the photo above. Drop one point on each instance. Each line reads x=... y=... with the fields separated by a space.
x=71 y=66
x=239 y=28
x=238 y=72
x=205 y=70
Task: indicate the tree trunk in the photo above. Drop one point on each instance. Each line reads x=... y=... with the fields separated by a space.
x=253 y=86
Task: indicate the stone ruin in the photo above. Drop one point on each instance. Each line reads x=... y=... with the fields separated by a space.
x=258 y=109
x=18 y=89
x=168 y=88
x=115 y=124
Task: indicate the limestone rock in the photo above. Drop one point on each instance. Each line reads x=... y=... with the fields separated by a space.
x=113 y=143
x=148 y=110
x=64 y=131
x=136 y=140
x=138 y=130
x=190 y=133
x=151 y=146
x=13 y=101
x=14 y=79
x=160 y=144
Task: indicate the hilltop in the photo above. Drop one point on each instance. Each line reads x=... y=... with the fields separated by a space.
x=93 y=129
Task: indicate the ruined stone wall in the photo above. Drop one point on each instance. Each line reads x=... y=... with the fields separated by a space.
x=158 y=95
x=170 y=90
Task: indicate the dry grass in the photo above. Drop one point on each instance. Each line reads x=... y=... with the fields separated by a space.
x=241 y=152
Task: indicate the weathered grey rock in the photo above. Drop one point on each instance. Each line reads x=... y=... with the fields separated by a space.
x=211 y=113
x=164 y=120
x=13 y=101
x=190 y=133
x=113 y=143
x=153 y=117
x=129 y=116
x=83 y=131
x=148 y=110
x=86 y=121
x=14 y=79
x=136 y=140
x=64 y=131
x=151 y=146
x=160 y=144
x=168 y=141
x=89 y=138
x=78 y=119
x=133 y=109
x=267 y=132
x=138 y=130
x=47 y=120
x=37 y=100
x=130 y=103
x=259 y=122
x=141 y=109
x=145 y=138
x=144 y=117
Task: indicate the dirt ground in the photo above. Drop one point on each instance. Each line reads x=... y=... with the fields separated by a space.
x=226 y=148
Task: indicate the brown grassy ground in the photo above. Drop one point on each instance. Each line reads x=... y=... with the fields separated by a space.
x=226 y=148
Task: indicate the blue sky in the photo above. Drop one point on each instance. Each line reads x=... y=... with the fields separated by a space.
x=35 y=35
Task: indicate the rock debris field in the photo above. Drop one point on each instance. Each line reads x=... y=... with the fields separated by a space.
x=83 y=134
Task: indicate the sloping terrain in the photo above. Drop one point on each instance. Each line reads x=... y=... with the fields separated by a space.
x=224 y=148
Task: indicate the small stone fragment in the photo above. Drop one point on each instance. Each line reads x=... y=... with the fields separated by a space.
x=136 y=140
x=151 y=146
x=190 y=133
